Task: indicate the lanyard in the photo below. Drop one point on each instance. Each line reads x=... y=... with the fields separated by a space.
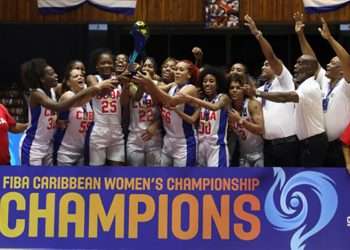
x=267 y=87
x=325 y=100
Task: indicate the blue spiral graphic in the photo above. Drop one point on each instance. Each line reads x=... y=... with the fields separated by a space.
x=293 y=208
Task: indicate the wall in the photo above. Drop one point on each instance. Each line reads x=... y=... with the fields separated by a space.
x=162 y=11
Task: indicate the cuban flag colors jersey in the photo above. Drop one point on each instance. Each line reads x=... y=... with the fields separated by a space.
x=213 y=124
x=248 y=142
x=36 y=142
x=69 y=141
x=107 y=108
x=180 y=140
x=174 y=125
x=143 y=113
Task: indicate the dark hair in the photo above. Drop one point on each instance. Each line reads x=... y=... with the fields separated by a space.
x=31 y=73
x=155 y=66
x=169 y=59
x=247 y=76
x=66 y=74
x=73 y=62
x=219 y=74
x=237 y=78
x=121 y=54
x=244 y=67
x=95 y=57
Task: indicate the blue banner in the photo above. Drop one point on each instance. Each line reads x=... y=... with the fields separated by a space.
x=174 y=208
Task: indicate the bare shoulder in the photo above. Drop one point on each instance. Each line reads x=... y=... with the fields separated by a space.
x=37 y=97
x=190 y=89
x=66 y=95
x=254 y=104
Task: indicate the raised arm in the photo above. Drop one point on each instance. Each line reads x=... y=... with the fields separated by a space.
x=305 y=46
x=290 y=96
x=198 y=56
x=343 y=55
x=39 y=98
x=158 y=94
x=224 y=101
x=265 y=46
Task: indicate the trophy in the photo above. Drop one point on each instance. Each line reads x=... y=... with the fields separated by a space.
x=140 y=33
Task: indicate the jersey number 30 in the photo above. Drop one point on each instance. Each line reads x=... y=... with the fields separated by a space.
x=204 y=128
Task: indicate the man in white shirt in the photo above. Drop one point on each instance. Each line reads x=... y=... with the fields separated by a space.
x=334 y=83
x=308 y=113
x=280 y=141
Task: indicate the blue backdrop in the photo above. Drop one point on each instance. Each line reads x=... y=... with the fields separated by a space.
x=174 y=208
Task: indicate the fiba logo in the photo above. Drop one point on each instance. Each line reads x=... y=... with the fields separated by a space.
x=348 y=221
x=288 y=203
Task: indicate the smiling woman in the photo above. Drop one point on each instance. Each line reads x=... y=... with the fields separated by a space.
x=213 y=118
x=40 y=79
x=72 y=124
x=179 y=118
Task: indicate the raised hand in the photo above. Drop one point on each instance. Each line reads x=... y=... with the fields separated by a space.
x=197 y=53
x=324 y=31
x=249 y=22
x=142 y=78
x=299 y=22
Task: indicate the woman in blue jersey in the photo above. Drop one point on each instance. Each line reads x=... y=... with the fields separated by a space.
x=106 y=139
x=40 y=79
x=246 y=119
x=144 y=139
x=73 y=123
x=213 y=118
x=180 y=140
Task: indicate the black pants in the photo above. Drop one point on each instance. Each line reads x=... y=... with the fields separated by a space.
x=334 y=156
x=282 y=152
x=313 y=150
